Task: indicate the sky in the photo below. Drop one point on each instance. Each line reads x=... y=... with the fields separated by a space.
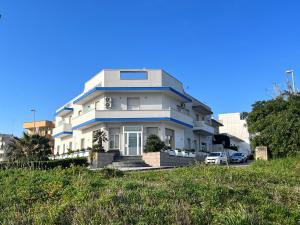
x=228 y=54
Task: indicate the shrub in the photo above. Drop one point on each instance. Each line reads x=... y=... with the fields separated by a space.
x=154 y=144
x=63 y=163
x=109 y=172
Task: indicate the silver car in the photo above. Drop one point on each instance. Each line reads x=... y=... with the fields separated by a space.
x=238 y=158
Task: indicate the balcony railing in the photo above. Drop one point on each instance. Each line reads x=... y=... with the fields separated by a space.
x=85 y=153
x=130 y=115
x=64 y=128
x=204 y=126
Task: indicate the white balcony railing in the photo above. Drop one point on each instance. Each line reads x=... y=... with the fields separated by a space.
x=64 y=127
x=85 y=153
x=136 y=114
x=202 y=125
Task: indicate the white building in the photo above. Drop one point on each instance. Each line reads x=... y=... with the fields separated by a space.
x=130 y=105
x=237 y=129
x=4 y=141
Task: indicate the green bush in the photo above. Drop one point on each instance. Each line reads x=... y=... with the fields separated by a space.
x=63 y=163
x=109 y=173
x=154 y=144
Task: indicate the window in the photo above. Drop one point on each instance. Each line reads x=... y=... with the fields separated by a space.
x=132 y=128
x=133 y=75
x=152 y=130
x=197 y=117
x=82 y=143
x=195 y=144
x=79 y=112
x=70 y=146
x=188 y=143
x=97 y=105
x=114 y=138
x=133 y=103
x=203 y=146
x=170 y=138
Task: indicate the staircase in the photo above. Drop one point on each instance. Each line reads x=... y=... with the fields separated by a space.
x=128 y=162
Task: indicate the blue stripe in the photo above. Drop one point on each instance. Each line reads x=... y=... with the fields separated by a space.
x=131 y=120
x=64 y=109
x=62 y=133
x=132 y=89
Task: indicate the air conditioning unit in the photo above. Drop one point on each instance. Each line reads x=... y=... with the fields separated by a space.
x=108 y=105
x=108 y=99
x=108 y=102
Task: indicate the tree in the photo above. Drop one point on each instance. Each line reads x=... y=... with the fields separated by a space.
x=276 y=124
x=29 y=148
x=99 y=137
x=244 y=115
x=154 y=144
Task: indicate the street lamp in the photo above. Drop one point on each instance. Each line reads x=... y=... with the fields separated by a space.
x=293 y=78
x=34 y=111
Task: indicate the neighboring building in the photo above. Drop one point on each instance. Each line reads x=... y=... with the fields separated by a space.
x=216 y=125
x=4 y=141
x=42 y=128
x=129 y=105
x=236 y=128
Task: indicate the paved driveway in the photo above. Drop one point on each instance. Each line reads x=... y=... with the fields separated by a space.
x=241 y=164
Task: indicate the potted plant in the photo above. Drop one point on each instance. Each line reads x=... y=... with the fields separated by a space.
x=99 y=138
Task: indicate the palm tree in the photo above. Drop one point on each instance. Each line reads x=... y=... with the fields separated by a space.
x=99 y=138
x=29 y=148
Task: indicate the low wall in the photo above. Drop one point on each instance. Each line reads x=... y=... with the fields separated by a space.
x=261 y=153
x=161 y=159
x=102 y=159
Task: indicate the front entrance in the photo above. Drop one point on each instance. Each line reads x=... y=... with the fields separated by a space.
x=133 y=141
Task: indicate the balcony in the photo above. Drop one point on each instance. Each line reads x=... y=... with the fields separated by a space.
x=203 y=128
x=96 y=116
x=63 y=130
x=64 y=111
x=97 y=91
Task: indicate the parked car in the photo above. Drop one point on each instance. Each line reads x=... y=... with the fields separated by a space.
x=238 y=158
x=217 y=158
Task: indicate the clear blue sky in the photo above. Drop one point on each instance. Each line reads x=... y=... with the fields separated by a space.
x=227 y=53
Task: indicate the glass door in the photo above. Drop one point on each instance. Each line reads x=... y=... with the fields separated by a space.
x=133 y=143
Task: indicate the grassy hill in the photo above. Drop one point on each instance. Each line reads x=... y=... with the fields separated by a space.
x=265 y=193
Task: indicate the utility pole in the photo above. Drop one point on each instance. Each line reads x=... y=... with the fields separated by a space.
x=293 y=79
x=34 y=127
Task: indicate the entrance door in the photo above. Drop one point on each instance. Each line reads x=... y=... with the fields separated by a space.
x=133 y=143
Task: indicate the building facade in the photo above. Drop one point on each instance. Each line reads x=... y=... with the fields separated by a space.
x=237 y=129
x=42 y=128
x=4 y=141
x=129 y=105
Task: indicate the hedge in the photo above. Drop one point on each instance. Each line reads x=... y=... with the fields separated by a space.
x=63 y=163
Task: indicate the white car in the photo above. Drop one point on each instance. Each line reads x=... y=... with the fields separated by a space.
x=217 y=158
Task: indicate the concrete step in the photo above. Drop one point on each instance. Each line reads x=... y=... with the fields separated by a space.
x=127 y=158
x=128 y=162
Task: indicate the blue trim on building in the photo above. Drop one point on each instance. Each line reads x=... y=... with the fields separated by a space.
x=180 y=122
x=62 y=133
x=131 y=120
x=132 y=89
x=64 y=109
